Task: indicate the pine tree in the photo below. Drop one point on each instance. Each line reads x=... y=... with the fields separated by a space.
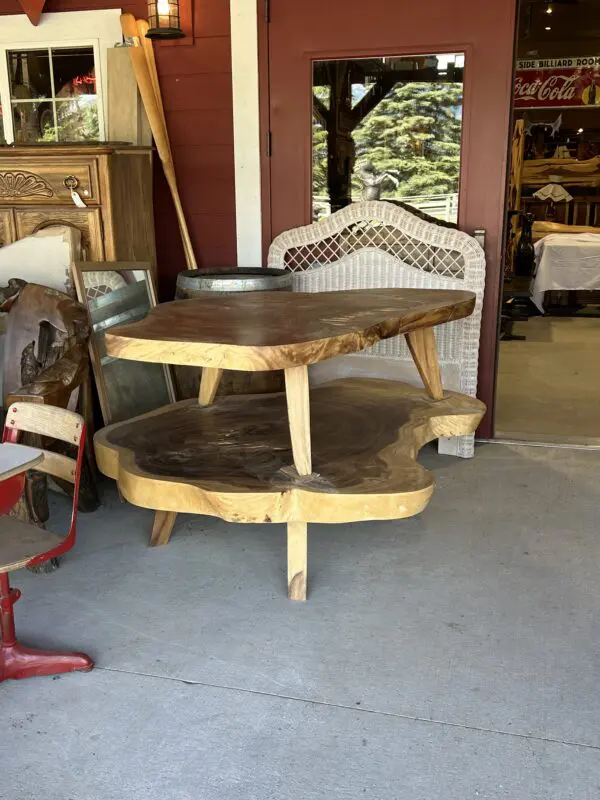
x=414 y=134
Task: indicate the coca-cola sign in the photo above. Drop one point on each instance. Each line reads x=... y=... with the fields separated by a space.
x=558 y=82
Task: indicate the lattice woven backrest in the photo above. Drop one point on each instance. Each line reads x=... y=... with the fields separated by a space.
x=371 y=268
x=379 y=245
x=387 y=228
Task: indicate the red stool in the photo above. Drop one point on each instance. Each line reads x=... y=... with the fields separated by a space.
x=25 y=545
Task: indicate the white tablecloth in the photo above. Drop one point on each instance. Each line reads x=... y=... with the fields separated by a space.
x=566 y=261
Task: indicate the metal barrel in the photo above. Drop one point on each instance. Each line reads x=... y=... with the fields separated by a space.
x=223 y=280
x=193 y=281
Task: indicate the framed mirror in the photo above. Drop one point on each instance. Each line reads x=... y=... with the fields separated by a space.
x=116 y=293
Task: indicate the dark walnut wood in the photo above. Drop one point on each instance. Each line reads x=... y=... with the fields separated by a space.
x=276 y=330
x=233 y=459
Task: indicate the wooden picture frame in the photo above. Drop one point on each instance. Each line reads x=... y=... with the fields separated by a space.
x=114 y=293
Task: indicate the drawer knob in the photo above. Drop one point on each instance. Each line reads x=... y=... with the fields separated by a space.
x=71 y=182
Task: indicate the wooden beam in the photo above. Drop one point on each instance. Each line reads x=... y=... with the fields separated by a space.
x=423 y=349
x=296 y=388
x=297 y=558
x=209 y=383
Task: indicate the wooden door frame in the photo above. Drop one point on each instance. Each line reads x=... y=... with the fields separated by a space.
x=489 y=345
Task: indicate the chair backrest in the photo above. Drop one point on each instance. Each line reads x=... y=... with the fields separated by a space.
x=53 y=423
x=379 y=245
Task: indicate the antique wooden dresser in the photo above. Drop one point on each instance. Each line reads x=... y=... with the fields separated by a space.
x=104 y=190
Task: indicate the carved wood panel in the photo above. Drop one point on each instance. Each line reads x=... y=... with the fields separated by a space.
x=86 y=220
x=43 y=181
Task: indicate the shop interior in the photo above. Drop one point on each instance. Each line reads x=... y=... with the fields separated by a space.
x=549 y=357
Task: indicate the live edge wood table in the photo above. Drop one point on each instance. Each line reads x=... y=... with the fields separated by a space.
x=345 y=454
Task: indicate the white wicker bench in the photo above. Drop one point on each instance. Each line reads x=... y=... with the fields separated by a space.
x=374 y=245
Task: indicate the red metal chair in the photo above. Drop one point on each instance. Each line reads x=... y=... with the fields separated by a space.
x=24 y=545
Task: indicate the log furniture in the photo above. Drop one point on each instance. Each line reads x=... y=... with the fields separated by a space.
x=344 y=454
x=24 y=545
x=104 y=190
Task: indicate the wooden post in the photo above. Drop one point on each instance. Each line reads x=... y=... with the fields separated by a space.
x=297 y=552
x=298 y=406
x=162 y=528
x=421 y=343
x=209 y=383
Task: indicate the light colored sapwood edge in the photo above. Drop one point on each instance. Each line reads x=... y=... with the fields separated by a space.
x=209 y=383
x=423 y=350
x=297 y=558
x=298 y=408
x=255 y=358
x=162 y=528
x=279 y=505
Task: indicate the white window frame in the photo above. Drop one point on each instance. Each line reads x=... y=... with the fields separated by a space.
x=98 y=29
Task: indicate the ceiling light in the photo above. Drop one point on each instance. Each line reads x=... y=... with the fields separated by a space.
x=580 y=130
x=547 y=28
x=549 y=10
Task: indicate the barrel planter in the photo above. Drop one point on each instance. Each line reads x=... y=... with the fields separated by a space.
x=191 y=283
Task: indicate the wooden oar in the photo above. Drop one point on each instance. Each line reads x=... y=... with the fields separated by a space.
x=154 y=111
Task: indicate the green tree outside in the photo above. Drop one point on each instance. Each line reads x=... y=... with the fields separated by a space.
x=413 y=133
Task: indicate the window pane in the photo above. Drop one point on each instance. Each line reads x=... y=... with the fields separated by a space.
x=29 y=74
x=33 y=122
x=77 y=119
x=73 y=69
x=388 y=129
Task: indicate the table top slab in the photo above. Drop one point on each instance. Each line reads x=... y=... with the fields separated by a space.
x=275 y=330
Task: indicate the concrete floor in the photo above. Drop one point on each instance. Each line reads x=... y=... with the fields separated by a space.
x=549 y=384
x=452 y=656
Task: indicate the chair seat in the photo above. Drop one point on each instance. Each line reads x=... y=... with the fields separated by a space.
x=20 y=542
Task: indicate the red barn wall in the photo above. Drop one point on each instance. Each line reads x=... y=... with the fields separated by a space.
x=196 y=88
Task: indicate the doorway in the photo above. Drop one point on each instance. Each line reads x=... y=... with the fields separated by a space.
x=549 y=353
x=439 y=75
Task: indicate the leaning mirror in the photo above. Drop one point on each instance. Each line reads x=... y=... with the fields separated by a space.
x=116 y=293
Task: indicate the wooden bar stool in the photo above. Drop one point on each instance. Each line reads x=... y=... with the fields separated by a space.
x=24 y=545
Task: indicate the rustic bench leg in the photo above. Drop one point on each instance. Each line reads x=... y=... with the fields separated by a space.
x=298 y=406
x=421 y=344
x=297 y=560
x=209 y=383
x=162 y=528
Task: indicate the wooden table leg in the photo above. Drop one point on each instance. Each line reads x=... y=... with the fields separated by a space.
x=165 y=520
x=162 y=528
x=298 y=406
x=297 y=559
x=209 y=383
x=421 y=344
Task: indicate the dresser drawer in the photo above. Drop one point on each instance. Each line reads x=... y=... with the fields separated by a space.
x=86 y=220
x=42 y=181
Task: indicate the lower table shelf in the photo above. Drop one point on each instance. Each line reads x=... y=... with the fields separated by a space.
x=233 y=459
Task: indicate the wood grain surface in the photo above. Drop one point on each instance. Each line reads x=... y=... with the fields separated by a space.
x=275 y=330
x=234 y=460
x=20 y=542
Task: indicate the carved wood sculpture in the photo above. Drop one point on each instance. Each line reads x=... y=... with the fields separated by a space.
x=347 y=453
x=45 y=361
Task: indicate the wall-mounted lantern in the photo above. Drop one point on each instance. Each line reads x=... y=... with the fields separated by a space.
x=164 y=21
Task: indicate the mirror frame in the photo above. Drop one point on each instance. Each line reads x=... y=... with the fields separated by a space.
x=78 y=268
